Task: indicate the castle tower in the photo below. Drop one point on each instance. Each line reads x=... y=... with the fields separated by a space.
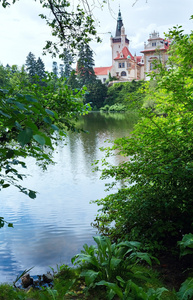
x=119 y=25
x=120 y=40
x=125 y=67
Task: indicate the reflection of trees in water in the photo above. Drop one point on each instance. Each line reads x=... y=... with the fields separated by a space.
x=100 y=127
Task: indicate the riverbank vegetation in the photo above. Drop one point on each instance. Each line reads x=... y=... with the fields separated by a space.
x=154 y=203
x=124 y=96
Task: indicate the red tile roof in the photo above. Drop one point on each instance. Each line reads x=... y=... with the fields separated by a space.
x=102 y=70
x=125 y=52
x=139 y=59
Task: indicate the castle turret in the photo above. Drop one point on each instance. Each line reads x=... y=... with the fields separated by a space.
x=120 y=40
x=119 y=25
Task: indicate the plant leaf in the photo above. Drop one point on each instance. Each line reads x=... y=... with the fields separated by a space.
x=186 y=289
x=25 y=136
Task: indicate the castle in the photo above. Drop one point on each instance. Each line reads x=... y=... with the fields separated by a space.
x=128 y=67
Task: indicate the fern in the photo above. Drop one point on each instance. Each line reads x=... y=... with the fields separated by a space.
x=186 y=290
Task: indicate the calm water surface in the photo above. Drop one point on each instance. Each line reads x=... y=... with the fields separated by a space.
x=52 y=228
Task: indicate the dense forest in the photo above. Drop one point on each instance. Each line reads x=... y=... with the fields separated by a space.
x=145 y=241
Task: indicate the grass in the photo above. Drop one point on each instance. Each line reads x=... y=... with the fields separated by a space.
x=68 y=285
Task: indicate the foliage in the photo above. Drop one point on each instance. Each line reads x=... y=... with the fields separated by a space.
x=26 y=129
x=103 y=271
x=117 y=107
x=186 y=244
x=28 y=121
x=85 y=71
x=96 y=91
x=72 y=25
x=31 y=65
x=131 y=291
x=186 y=248
x=96 y=94
x=4 y=80
x=111 y=264
x=73 y=81
x=105 y=108
x=155 y=200
x=129 y=94
x=55 y=68
x=7 y=292
x=68 y=60
x=35 y=69
x=186 y=290
x=67 y=103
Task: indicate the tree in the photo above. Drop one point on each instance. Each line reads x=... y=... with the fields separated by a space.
x=155 y=201
x=18 y=78
x=72 y=25
x=31 y=66
x=129 y=94
x=61 y=67
x=3 y=77
x=40 y=69
x=85 y=65
x=55 y=68
x=96 y=95
x=73 y=81
x=25 y=120
x=68 y=60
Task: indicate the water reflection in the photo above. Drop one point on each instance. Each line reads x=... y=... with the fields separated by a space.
x=52 y=228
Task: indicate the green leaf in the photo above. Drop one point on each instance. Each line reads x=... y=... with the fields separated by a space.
x=114 y=262
x=10 y=153
x=47 y=120
x=4 y=114
x=5 y=185
x=50 y=112
x=40 y=139
x=144 y=256
x=20 y=105
x=186 y=289
x=31 y=99
x=90 y=276
x=54 y=127
x=112 y=286
x=32 y=194
x=2 y=222
x=156 y=294
x=25 y=136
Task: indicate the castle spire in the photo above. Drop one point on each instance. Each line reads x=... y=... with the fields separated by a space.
x=119 y=24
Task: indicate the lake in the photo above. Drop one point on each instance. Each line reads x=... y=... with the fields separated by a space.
x=49 y=230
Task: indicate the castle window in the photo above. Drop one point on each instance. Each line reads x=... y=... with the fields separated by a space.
x=122 y=65
x=153 y=44
x=123 y=73
x=128 y=65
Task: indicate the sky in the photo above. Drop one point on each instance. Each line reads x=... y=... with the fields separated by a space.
x=23 y=31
